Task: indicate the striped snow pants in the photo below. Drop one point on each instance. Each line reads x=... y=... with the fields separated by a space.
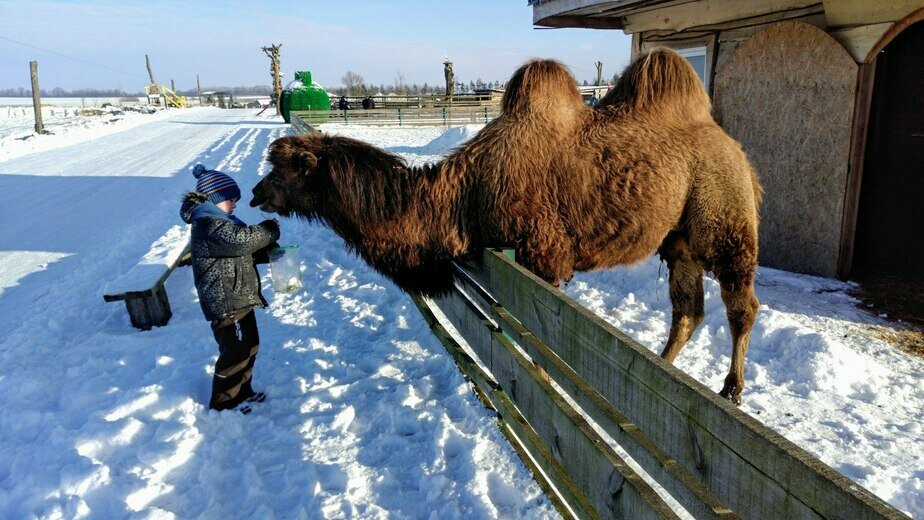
x=238 y=344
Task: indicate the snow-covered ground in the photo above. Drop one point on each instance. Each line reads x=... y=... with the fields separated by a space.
x=65 y=125
x=71 y=101
x=367 y=416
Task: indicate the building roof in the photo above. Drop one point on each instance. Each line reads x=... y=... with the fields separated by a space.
x=642 y=15
x=634 y=16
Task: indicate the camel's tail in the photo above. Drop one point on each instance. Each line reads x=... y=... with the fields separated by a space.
x=661 y=81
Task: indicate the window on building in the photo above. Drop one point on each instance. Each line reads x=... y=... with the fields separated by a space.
x=697 y=57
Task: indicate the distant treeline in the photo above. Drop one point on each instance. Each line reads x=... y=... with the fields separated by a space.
x=259 y=90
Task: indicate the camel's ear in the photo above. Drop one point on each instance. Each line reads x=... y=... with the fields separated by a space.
x=307 y=160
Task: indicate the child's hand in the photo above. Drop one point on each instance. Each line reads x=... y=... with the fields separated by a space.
x=272 y=225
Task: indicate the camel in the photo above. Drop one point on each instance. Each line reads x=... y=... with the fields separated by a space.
x=568 y=187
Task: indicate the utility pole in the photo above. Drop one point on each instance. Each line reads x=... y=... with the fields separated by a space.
x=198 y=90
x=599 y=65
x=172 y=87
x=450 y=77
x=147 y=62
x=36 y=100
x=273 y=52
x=153 y=89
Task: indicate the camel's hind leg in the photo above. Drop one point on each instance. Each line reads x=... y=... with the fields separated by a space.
x=741 y=307
x=686 y=290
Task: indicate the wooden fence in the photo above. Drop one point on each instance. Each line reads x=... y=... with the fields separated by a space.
x=607 y=427
x=299 y=126
x=410 y=116
x=486 y=97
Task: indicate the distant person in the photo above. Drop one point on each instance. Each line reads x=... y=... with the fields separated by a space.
x=371 y=102
x=343 y=105
x=593 y=100
x=367 y=103
x=225 y=252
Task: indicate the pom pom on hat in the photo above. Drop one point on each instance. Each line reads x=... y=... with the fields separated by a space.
x=216 y=185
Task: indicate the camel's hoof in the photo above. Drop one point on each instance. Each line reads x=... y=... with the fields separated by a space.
x=732 y=393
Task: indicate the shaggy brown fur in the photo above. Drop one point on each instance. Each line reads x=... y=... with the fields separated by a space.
x=568 y=187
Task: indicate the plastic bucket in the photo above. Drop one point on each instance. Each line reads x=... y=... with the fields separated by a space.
x=285 y=269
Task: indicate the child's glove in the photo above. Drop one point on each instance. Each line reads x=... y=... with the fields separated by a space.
x=272 y=226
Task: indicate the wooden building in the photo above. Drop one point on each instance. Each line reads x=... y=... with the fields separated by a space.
x=827 y=98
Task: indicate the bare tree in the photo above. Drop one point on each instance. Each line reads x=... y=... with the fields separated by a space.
x=352 y=82
x=400 y=85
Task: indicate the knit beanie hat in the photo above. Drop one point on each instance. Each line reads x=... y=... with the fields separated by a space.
x=218 y=186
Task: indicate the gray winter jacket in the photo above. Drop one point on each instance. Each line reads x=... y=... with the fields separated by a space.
x=224 y=254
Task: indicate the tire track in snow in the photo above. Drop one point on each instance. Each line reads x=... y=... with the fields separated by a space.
x=275 y=134
x=232 y=161
x=224 y=140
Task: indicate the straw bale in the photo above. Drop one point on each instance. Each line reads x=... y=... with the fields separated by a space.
x=787 y=95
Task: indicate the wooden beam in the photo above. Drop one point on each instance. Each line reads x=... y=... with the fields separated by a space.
x=861 y=39
x=842 y=13
x=553 y=8
x=803 y=14
x=866 y=76
x=707 y=12
x=584 y=22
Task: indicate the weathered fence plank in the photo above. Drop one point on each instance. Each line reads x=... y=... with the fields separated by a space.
x=614 y=489
x=299 y=125
x=554 y=480
x=749 y=467
x=698 y=500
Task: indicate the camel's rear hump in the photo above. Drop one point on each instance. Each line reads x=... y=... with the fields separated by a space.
x=661 y=81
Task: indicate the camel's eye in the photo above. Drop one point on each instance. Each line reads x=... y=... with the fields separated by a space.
x=274 y=180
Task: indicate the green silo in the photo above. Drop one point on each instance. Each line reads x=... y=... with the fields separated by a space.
x=303 y=94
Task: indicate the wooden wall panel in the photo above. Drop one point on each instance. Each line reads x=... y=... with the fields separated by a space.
x=787 y=94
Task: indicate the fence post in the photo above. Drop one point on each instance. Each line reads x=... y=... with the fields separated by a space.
x=36 y=99
x=485 y=115
x=399 y=116
x=444 y=116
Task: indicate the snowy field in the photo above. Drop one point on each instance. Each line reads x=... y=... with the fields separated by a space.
x=64 y=125
x=367 y=416
x=69 y=101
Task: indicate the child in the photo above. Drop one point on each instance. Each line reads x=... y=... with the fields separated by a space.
x=225 y=252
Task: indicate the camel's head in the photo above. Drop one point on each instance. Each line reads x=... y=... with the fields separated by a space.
x=293 y=185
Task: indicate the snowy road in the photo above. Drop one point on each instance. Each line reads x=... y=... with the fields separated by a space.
x=367 y=416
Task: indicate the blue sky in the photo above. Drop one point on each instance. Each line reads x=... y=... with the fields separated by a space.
x=221 y=41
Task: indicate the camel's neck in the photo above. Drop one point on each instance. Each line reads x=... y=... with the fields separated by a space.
x=397 y=216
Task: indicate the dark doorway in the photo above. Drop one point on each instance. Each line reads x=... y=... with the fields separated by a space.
x=889 y=245
x=890 y=222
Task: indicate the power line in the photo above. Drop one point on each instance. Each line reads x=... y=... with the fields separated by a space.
x=71 y=57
